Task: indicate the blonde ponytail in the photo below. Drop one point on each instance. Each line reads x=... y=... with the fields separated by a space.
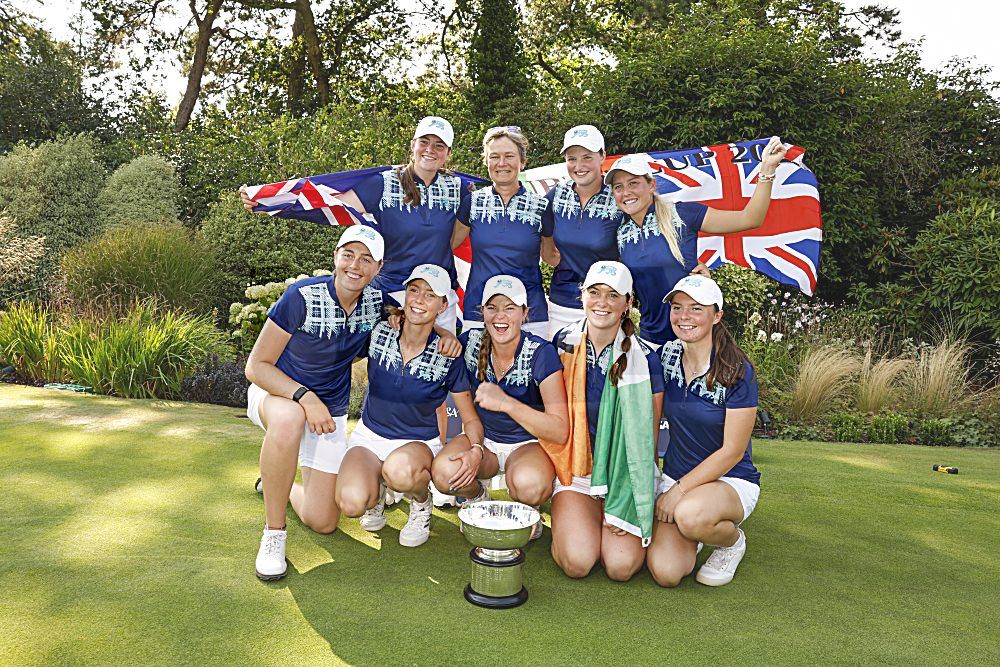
x=665 y=213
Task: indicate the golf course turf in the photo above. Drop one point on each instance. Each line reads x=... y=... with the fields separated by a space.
x=130 y=530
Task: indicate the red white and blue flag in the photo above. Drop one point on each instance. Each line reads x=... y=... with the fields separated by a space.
x=786 y=247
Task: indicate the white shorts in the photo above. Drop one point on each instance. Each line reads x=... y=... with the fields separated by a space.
x=446 y=320
x=747 y=491
x=537 y=328
x=362 y=436
x=579 y=484
x=319 y=452
x=561 y=317
x=503 y=450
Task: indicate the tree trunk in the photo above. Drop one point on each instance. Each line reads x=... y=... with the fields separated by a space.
x=314 y=52
x=296 y=68
x=201 y=49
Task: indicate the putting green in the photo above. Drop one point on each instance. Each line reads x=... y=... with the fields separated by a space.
x=130 y=530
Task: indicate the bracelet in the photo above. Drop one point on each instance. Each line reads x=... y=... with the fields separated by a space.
x=680 y=488
x=480 y=445
x=766 y=178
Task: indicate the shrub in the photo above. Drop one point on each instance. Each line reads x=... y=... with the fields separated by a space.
x=247 y=319
x=773 y=361
x=253 y=249
x=848 y=427
x=29 y=341
x=937 y=384
x=876 y=382
x=745 y=291
x=144 y=353
x=48 y=189
x=218 y=382
x=145 y=190
x=823 y=374
x=18 y=255
x=971 y=431
x=888 y=428
x=935 y=432
x=135 y=262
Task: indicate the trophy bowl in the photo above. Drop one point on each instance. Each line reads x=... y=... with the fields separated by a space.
x=497 y=530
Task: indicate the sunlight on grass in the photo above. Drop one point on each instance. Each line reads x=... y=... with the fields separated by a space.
x=868 y=462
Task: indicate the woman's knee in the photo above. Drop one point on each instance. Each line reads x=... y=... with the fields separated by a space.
x=401 y=474
x=353 y=501
x=442 y=470
x=692 y=519
x=528 y=486
x=324 y=525
x=667 y=574
x=574 y=563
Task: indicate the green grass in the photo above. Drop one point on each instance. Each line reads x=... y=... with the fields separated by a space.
x=130 y=529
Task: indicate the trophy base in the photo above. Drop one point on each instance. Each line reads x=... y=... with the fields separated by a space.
x=491 y=602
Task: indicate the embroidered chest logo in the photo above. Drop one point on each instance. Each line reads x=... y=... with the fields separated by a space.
x=673 y=372
x=325 y=318
x=524 y=207
x=629 y=232
x=604 y=360
x=566 y=204
x=445 y=193
x=519 y=374
x=430 y=365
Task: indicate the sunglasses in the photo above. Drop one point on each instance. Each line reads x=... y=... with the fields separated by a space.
x=504 y=128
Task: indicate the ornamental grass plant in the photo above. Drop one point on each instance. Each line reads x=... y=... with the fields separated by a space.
x=937 y=384
x=29 y=341
x=824 y=375
x=878 y=381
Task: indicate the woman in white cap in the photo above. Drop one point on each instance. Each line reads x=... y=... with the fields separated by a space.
x=518 y=385
x=658 y=239
x=396 y=440
x=506 y=224
x=580 y=536
x=585 y=219
x=300 y=370
x=710 y=484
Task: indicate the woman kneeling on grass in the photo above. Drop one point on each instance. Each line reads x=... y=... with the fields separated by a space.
x=709 y=484
x=517 y=377
x=395 y=442
x=300 y=370
x=582 y=531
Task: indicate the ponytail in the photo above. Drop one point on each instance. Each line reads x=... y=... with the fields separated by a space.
x=410 y=189
x=665 y=213
x=621 y=363
x=729 y=362
x=485 y=348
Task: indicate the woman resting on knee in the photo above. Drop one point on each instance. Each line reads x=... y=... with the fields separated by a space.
x=517 y=378
x=397 y=437
x=710 y=484
x=300 y=370
x=580 y=536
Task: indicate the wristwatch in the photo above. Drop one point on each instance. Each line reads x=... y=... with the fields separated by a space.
x=299 y=393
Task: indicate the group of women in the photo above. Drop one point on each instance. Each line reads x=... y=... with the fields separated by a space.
x=615 y=243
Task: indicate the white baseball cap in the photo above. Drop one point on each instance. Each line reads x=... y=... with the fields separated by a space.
x=437 y=126
x=636 y=163
x=364 y=234
x=510 y=286
x=434 y=275
x=703 y=290
x=613 y=274
x=586 y=136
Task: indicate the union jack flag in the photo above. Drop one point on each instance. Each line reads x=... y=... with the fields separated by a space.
x=786 y=247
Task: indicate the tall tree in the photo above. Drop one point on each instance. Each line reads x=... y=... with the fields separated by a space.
x=496 y=61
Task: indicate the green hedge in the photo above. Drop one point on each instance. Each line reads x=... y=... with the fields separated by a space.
x=145 y=190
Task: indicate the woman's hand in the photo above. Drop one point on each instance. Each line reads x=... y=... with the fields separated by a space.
x=615 y=530
x=317 y=414
x=248 y=203
x=771 y=156
x=396 y=319
x=701 y=270
x=448 y=345
x=667 y=503
x=491 y=397
x=466 y=475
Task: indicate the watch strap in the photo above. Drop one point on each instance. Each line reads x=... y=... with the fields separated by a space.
x=299 y=393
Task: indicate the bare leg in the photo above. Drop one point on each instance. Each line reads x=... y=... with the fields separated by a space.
x=621 y=555
x=710 y=513
x=284 y=423
x=408 y=470
x=530 y=475
x=358 y=483
x=670 y=556
x=443 y=469
x=576 y=532
x=314 y=500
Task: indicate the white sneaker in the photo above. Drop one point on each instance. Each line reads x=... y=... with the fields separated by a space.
x=374 y=518
x=536 y=531
x=418 y=526
x=482 y=496
x=720 y=567
x=258 y=486
x=442 y=499
x=271 y=563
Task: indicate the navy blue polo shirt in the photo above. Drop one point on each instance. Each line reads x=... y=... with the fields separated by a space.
x=583 y=235
x=535 y=360
x=413 y=234
x=654 y=268
x=597 y=374
x=697 y=416
x=325 y=339
x=402 y=399
x=505 y=239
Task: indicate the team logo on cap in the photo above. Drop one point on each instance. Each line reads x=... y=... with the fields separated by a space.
x=366 y=232
x=503 y=282
x=436 y=122
x=693 y=281
x=610 y=270
x=431 y=271
x=579 y=132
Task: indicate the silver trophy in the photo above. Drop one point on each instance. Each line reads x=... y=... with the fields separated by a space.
x=497 y=530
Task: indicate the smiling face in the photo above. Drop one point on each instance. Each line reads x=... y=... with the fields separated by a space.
x=504 y=161
x=429 y=153
x=422 y=305
x=584 y=166
x=503 y=319
x=354 y=267
x=633 y=194
x=604 y=306
x=690 y=320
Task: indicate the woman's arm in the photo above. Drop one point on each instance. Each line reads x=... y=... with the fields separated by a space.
x=657 y=414
x=551 y=425
x=472 y=426
x=550 y=253
x=349 y=198
x=459 y=233
x=471 y=458
x=261 y=370
x=752 y=215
